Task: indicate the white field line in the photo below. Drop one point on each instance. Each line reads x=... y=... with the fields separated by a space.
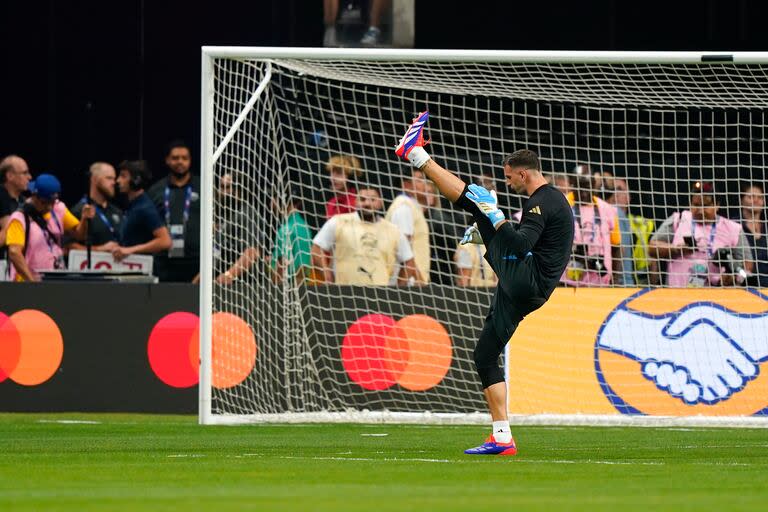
x=71 y=422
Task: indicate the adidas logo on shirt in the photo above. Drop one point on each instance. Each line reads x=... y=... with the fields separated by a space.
x=535 y=209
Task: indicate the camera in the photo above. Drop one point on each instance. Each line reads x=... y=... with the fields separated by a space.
x=689 y=241
x=724 y=259
x=590 y=262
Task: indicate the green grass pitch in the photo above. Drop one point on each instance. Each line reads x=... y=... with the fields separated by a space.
x=76 y=462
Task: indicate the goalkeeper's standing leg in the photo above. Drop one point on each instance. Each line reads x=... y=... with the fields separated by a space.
x=489 y=347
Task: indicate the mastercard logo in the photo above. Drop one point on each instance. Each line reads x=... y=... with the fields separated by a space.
x=663 y=352
x=31 y=347
x=378 y=352
x=173 y=350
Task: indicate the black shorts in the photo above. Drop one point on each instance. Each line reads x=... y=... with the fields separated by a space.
x=517 y=293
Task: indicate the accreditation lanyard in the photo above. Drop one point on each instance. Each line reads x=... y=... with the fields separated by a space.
x=104 y=218
x=49 y=237
x=187 y=203
x=711 y=236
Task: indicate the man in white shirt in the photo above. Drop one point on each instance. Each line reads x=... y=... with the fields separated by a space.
x=406 y=212
x=365 y=248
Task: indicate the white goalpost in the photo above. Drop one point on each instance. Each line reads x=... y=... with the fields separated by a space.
x=279 y=344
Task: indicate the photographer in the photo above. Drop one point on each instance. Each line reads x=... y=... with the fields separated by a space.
x=596 y=242
x=700 y=247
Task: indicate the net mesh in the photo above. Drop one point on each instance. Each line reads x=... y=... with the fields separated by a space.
x=655 y=129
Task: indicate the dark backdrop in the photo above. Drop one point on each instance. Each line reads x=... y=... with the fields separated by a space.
x=87 y=80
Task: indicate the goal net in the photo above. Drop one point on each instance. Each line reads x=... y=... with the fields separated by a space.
x=638 y=329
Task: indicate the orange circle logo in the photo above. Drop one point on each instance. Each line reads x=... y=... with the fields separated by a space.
x=32 y=347
x=414 y=352
x=173 y=350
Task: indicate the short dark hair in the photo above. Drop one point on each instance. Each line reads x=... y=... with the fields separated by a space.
x=177 y=143
x=141 y=176
x=523 y=158
x=744 y=189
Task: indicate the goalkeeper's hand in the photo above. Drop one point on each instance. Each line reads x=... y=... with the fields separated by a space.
x=471 y=236
x=486 y=201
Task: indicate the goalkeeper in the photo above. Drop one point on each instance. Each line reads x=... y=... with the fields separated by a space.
x=528 y=259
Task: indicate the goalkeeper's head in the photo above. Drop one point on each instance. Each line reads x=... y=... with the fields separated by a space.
x=369 y=204
x=522 y=168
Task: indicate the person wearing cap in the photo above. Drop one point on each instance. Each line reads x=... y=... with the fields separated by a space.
x=690 y=241
x=35 y=231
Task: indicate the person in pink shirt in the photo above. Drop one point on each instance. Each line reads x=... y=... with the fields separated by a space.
x=35 y=231
x=690 y=242
x=341 y=168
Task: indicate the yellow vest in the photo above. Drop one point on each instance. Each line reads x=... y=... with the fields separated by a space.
x=481 y=274
x=420 y=238
x=641 y=229
x=364 y=252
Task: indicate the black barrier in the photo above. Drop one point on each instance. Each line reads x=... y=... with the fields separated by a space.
x=105 y=329
x=459 y=310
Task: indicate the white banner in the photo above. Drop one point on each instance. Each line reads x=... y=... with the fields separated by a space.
x=78 y=260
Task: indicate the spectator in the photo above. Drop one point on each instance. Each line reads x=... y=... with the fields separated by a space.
x=364 y=246
x=142 y=230
x=617 y=194
x=756 y=230
x=407 y=213
x=104 y=229
x=177 y=199
x=341 y=168
x=14 y=179
x=562 y=182
x=235 y=234
x=472 y=269
x=444 y=229
x=292 y=252
x=689 y=242
x=372 y=36
x=35 y=231
x=596 y=238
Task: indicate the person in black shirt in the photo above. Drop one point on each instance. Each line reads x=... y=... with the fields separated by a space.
x=528 y=258
x=142 y=230
x=104 y=230
x=756 y=230
x=177 y=198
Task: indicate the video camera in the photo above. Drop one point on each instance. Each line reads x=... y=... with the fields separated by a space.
x=590 y=262
x=724 y=259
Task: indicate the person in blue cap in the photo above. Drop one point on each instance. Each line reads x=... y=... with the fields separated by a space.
x=35 y=231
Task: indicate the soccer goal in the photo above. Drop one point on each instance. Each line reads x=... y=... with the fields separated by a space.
x=279 y=343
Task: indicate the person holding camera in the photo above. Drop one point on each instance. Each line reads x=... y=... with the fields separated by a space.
x=595 y=260
x=700 y=247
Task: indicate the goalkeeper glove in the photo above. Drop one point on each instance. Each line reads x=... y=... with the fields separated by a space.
x=471 y=236
x=487 y=203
